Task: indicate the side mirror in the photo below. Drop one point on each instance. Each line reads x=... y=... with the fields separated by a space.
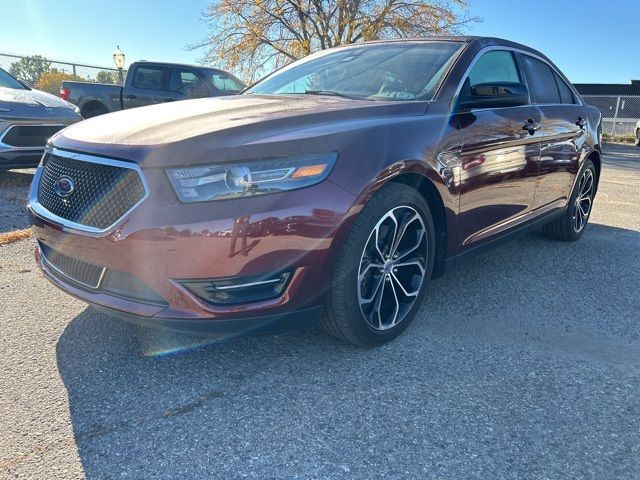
x=494 y=95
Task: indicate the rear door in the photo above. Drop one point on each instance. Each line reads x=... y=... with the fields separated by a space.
x=148 y=86
x=564 y=129
x=499 y=161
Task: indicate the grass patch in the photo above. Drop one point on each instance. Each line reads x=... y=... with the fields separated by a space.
x=627 y=138
x=15 y=236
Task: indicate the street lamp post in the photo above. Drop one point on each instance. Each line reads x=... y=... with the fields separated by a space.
x=118 y=59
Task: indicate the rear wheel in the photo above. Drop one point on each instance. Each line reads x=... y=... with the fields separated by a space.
x=379 y=279
x=573 y=222
x=638 y=137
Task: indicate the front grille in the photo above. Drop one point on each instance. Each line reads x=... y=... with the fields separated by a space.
x=100 y=196
x=29 y=136
x=86 y=274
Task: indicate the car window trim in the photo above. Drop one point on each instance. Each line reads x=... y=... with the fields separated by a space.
x=516 y=51
x=558 y=78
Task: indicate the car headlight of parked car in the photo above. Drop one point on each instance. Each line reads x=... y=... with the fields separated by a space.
x=223 y=181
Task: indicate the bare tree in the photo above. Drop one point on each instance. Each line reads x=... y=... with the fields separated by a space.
x=251 y=36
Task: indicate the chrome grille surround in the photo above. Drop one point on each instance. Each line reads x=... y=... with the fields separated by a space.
x=86 y=160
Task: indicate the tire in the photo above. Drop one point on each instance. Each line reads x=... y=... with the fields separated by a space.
x=94 y=110
x=359 y=273
x=566 y=227
x=637 y=142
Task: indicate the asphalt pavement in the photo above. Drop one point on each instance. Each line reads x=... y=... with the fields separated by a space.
x=522 y=364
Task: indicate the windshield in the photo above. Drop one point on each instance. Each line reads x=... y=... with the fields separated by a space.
x=7 y=81
x=224 y=82
x=396 y=71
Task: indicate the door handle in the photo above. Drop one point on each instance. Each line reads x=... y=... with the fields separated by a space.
x=131 y=97
x=532 y=126
x=581 y=122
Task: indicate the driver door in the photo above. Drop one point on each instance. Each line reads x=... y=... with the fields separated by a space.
x=183 y=84
x=500 y=156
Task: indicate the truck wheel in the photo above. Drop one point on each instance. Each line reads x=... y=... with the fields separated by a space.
x=380 y=277
x=93 y=110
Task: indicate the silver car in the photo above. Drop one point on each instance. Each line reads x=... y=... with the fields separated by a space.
x=28 y=118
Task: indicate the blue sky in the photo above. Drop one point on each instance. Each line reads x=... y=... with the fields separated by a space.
x=590 y=40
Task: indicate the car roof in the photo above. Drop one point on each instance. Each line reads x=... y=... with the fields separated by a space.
x=479 y=41
x=185 y=65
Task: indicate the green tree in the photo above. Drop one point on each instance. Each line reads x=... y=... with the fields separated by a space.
x=254 y=36
x=30 y=69
x=105 y=76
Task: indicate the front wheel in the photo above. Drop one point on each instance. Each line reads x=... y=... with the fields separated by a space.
x=637 y=142
x=380 y=277
x=571 y=225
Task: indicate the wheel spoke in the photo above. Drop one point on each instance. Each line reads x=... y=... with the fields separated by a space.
x=403 y=230
x=367 y=300
x=404 y=290
x=585 y=206
x=587 y=184
x=394 y=320
x=411 y=263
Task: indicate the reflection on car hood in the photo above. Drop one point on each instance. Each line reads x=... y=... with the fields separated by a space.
x=229 y=120
x=35 y=104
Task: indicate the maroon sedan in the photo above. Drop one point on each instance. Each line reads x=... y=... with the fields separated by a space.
x=340 y=184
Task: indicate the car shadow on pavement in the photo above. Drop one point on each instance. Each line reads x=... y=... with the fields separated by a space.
x=301 y=404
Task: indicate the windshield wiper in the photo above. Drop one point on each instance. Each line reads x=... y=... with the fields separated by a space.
x=333 y=94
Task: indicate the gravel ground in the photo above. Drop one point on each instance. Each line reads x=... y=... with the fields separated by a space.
x=538 y=378
x=14 y=188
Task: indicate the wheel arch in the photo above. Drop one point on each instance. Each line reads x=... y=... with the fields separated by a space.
x=596 y=158
x=91 y=103
x=432 y=196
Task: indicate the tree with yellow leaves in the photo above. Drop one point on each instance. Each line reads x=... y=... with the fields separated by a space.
x=253 y=37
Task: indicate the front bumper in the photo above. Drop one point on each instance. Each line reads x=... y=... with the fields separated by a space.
x=163 y=241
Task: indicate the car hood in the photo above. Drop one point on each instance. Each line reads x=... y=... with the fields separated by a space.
x=33 y=104
x=225 y=122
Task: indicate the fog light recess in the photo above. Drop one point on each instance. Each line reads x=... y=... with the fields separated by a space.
x=239 y=290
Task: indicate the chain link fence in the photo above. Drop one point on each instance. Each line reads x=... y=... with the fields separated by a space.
x=620 y=114
x=47 y=74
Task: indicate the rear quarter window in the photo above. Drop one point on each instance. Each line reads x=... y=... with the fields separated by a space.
x=542 y=84
x=566 y=94
x=149 y=78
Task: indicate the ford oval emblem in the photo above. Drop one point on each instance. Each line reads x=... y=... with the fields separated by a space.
x=65 y=186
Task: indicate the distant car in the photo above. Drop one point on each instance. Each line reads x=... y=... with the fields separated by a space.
x=637 y=132
x=28 y=118
x=148 y=83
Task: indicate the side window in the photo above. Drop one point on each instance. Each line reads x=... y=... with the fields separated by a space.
x=181 y=79
x=225 y=83
x=494 y=66
x=148 y=77
x=566 y=95
x=542 y=83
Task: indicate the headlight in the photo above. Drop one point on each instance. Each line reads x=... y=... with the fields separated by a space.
x=217 y=182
